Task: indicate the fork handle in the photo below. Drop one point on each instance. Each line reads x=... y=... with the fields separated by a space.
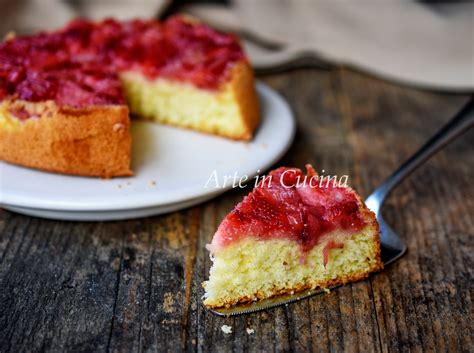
x=461 y=122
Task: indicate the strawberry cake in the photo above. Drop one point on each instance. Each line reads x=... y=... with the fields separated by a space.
x=66 y=96
x=292 y=232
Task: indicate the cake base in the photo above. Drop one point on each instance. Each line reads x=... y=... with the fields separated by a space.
x=255 y=269
x=93 y=141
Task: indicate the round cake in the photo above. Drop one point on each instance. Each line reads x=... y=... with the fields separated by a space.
x=66 y=96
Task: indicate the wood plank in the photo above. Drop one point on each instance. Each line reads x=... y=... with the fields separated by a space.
x=136 y=285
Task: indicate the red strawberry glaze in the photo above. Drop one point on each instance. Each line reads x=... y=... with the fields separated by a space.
x=286 y=207
x=79 y=65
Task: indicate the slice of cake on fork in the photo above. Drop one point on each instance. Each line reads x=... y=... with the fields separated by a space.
x=291 y=233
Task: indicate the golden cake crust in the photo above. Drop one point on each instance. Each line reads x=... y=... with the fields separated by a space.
x=242 y=83
x=92 y=141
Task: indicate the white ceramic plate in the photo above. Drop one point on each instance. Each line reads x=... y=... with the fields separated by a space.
x=172 y=167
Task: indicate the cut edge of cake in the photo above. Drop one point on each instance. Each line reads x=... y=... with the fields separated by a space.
x=254 y=269
x=231 y=111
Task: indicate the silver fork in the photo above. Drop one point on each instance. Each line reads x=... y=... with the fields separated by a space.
x=392 y=246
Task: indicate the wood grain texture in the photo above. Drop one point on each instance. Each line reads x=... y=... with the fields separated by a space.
x=135 y=286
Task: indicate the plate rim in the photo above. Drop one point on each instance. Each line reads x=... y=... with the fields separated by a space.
x=112 y=215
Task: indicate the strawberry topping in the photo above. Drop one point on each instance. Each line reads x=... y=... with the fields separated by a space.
x=288 y=204
x=78 y=65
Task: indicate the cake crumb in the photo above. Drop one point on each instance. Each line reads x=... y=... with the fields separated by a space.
x=168 y=303
x=250 y=331
x=118 y=127
x=226 y=329
x=326 y=290
x=153 y=183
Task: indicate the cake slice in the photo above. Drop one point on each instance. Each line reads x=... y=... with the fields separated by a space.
x=66 y=95
x=292 y=232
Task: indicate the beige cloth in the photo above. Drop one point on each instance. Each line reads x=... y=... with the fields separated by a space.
x=27 y=16
x=416 y=43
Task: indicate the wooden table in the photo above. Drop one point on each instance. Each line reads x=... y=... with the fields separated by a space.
x=136 y=285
